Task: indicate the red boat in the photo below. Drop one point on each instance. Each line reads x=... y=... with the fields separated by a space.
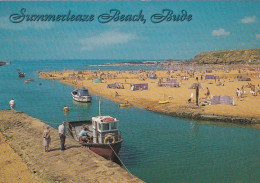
x=21 y=75
x=103 y=136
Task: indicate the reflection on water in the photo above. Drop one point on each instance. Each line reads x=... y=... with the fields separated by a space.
x=156 y=148
x=81 y=103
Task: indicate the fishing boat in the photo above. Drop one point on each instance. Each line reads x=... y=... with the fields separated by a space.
x=21 y=75
x=81 y=95
x=103 y=136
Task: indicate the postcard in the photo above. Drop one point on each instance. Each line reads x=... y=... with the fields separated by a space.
x=120 y=91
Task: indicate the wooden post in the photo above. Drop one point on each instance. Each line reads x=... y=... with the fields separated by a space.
x=197 y=91
x=197 y=95
x=99 y=109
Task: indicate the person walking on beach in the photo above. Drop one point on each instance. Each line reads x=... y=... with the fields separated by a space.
x=243 y=91
x=258 y=89
x=46 y=138
x=12 y=104
x=62 y=136
x=191 y=96
x=207 y=93
x=238 y=93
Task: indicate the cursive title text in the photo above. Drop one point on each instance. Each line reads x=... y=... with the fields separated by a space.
x=113 y=15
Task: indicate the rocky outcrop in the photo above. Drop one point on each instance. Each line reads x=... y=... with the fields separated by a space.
x=247 y=56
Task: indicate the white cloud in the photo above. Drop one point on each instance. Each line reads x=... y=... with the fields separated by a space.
x=7 y=25
x=248 y=20
x=220 y=32
x=257 y=36
x=107 y=39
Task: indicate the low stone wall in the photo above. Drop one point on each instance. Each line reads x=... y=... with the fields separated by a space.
x=218 y=118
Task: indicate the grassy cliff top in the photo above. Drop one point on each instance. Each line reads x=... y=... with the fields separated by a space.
x=249 y=56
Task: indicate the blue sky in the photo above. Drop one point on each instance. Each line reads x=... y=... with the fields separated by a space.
x=214 y=26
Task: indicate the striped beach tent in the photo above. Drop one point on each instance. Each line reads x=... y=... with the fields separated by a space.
x=142 y=86
x=228 y=100
x=210 y=77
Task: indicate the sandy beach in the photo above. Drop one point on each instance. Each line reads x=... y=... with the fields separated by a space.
x=23 y=158
x=245 y=110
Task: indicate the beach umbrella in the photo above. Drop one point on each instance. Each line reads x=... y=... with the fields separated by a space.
x=193 y=86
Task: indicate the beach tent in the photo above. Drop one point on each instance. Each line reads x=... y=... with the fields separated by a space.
x=142 y=86
x=115 y=86
x=210 y=77
x=165 y=84
x=152 y=77
x=228 y=100
x=193 y=86
x=169 y=82
x=243 y=79
x=97 y=80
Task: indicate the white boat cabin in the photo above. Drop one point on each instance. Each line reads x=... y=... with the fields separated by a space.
x=81 y=95
x=104 y=126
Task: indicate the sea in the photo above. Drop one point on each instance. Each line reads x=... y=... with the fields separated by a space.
x=157 y=148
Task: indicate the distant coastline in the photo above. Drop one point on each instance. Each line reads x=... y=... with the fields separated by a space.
x=128 y=63
x=143 y=63
x=226 y=57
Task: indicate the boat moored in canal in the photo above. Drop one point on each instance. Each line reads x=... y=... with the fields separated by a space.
x=125 y=105
x=102 y=135
x=29 y=80
x=21 y=75
x=81 y=95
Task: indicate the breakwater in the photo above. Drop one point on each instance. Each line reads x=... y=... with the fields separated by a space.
x=75 y=164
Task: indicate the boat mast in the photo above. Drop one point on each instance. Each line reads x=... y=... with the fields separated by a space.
x=99 y=110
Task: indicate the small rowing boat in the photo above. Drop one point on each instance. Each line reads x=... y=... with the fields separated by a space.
x=127 y=104
x=163 y=101
x=28 y=80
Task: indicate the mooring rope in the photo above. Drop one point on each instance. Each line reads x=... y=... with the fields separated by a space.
x=121 y=161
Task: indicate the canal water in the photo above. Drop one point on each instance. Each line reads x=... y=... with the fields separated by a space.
x=156 y=148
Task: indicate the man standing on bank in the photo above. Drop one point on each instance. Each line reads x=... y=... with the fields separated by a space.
x=12 y=104
x=62 y=135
